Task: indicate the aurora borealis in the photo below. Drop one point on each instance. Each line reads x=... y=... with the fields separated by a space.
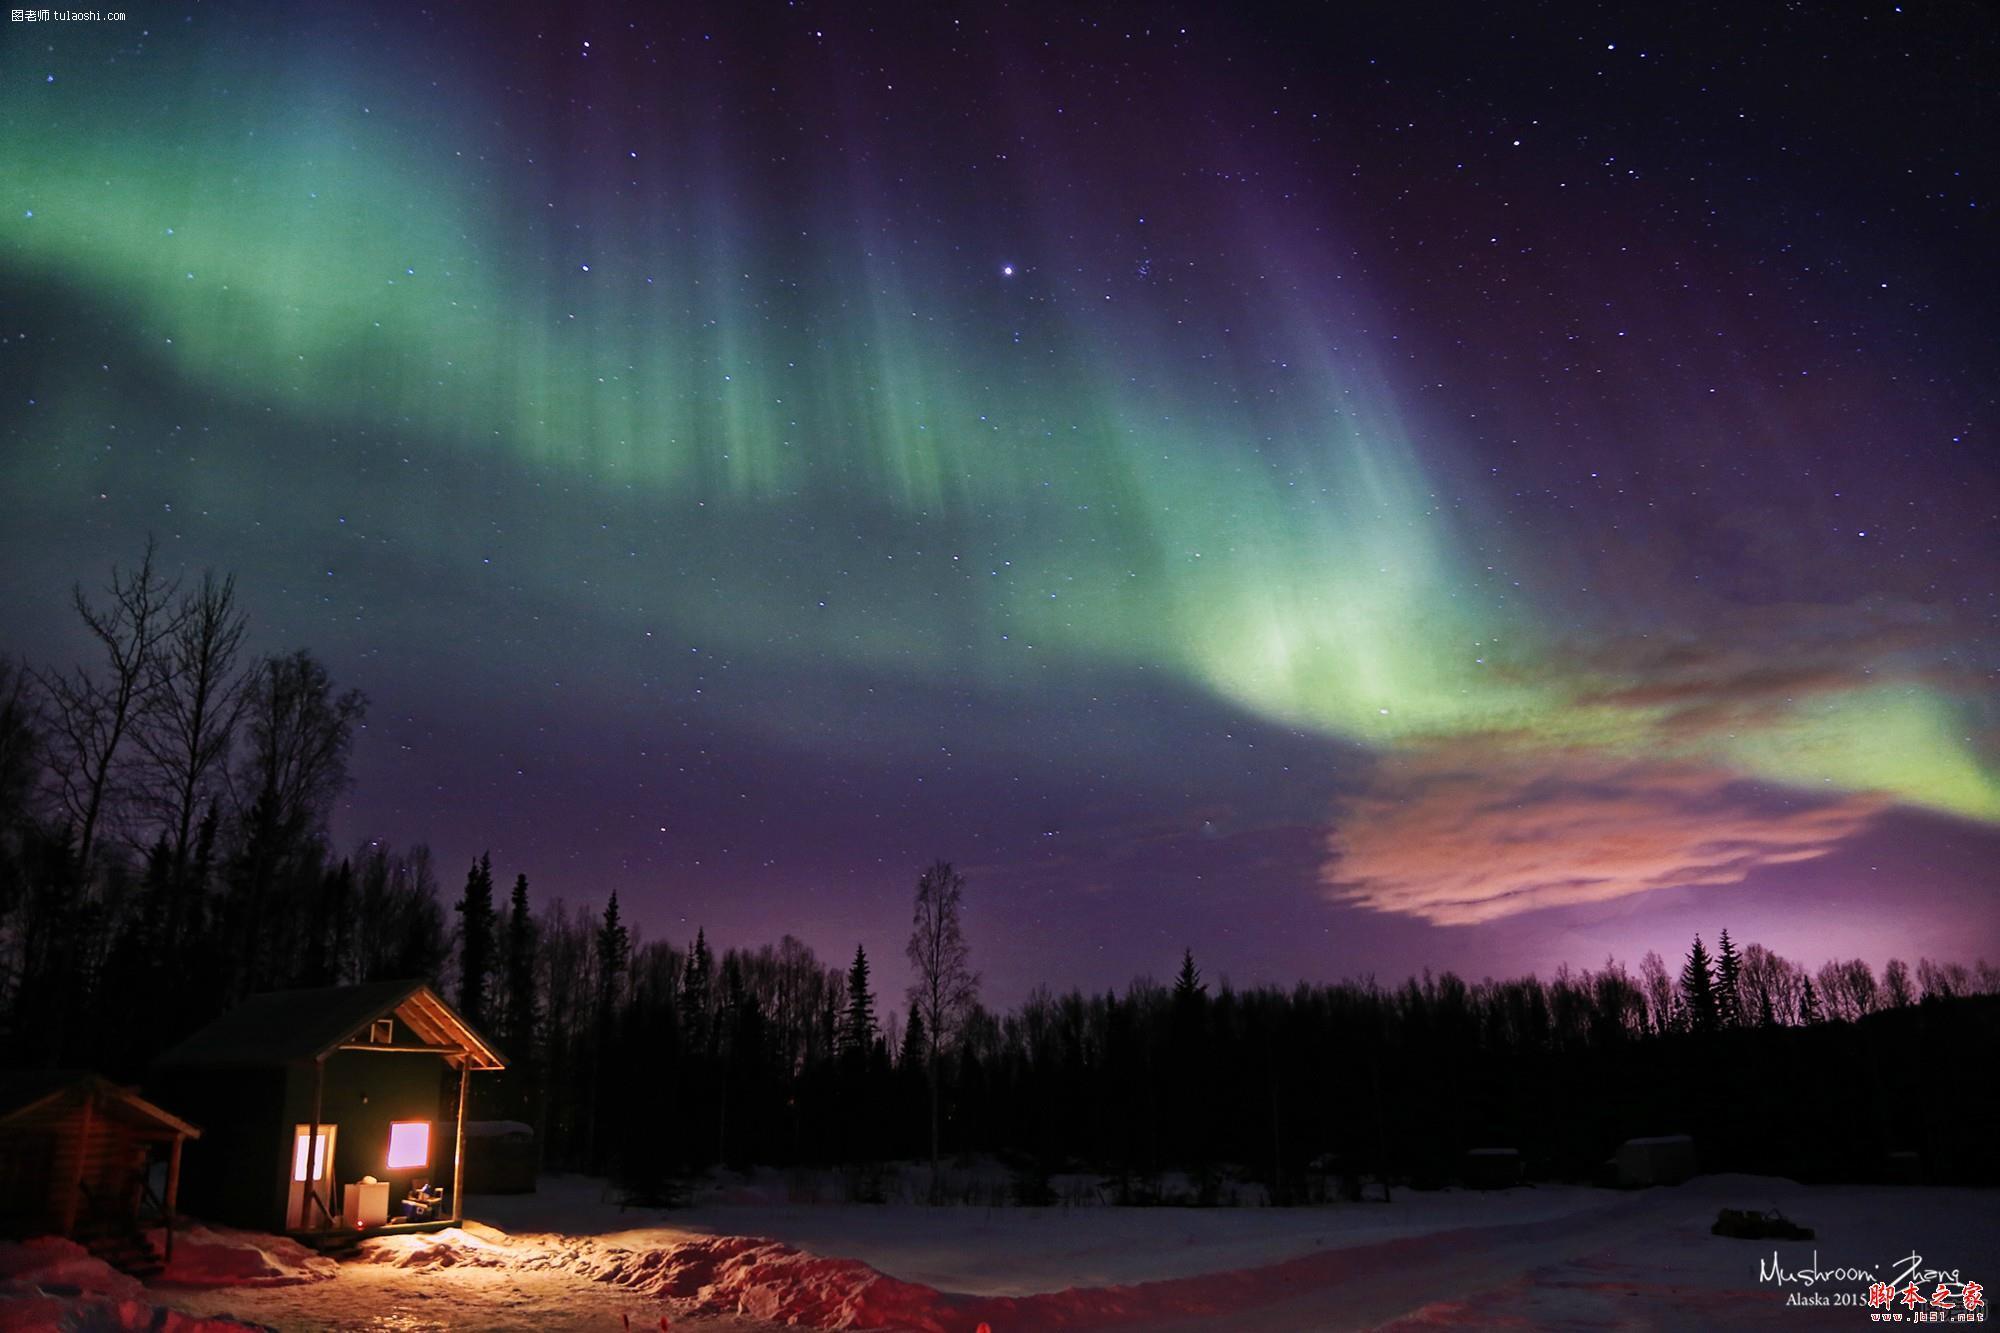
x=1346 y=493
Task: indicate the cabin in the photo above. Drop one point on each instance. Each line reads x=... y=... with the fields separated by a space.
x=328 y=1112
x=77 y=1159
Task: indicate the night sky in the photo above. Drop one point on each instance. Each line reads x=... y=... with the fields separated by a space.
x=1473 y=486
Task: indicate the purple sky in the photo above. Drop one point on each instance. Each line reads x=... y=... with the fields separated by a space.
x=1348 y=493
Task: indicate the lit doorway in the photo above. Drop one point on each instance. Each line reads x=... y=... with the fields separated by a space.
x=310 y=1209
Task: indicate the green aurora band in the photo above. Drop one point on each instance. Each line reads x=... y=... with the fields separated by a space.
x=1045 y=484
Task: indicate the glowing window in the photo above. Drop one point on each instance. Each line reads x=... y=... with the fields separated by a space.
x=299 y=1156
x=409 y=1144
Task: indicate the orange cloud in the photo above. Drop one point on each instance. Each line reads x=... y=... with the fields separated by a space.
x=1463 y=833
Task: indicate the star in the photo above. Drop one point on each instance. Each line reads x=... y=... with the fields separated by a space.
x=1006 y=270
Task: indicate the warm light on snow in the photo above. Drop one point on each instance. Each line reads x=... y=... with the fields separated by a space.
x=409 y=1144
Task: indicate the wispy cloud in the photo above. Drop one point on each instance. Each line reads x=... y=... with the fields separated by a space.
x=1750 y=667
x=1466 y=832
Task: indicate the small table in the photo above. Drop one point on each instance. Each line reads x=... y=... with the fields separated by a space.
x=365 y=1203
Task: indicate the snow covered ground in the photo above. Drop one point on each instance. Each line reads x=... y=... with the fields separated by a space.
x=1020 y=1251
x=52 y=1283
x=570 y=1258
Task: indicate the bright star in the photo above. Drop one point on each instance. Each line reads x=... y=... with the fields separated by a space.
x=1006 y=270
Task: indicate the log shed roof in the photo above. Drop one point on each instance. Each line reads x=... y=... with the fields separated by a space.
x=29 y=1097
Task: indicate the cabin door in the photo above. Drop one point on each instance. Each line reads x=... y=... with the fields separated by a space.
x=303 y=1211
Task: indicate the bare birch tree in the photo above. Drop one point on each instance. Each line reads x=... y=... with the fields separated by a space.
x=945 y=985
x=195 y=697
x=300 y=733
x=91 y=715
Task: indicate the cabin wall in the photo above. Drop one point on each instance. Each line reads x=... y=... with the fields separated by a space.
x=366 y=1090
x=110 y=1160
x=235 y=1172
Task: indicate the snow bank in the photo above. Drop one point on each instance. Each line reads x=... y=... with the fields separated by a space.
x=206 y=1256
x=51 y=1261
x=52 y=1283
x=733 y=1275
x=61 y=1265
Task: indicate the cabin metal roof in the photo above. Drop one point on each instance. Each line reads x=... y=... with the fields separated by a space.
x=279 y=1028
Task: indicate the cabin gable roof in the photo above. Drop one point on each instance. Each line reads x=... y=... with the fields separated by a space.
x=279 y=1028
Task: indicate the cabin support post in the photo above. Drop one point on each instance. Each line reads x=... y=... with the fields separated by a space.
x=75 y=1191
x=173 y=1190
x=458 y=1141
x=311 y=1196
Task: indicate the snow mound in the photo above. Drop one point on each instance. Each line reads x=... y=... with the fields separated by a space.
x=454 y=1247
x=52 y=1283
x=55 y=1263
x=764 y=1279
x=206 y=1256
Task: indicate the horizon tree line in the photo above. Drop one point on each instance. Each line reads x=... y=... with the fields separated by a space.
x=164 y=851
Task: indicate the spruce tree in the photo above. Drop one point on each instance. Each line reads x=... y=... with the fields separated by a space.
x=1729 y=983
x=1765 y=1018
x=1188 y=985
x=475 y=941
x=1187 y=1101
x=334 y=934
x=614 y=945
x=916 y=1045
x=860 y=1022
x=694 y=991
x=1808 y=1005
x=1698 y=989
x=193 y=888
x=522 y=1012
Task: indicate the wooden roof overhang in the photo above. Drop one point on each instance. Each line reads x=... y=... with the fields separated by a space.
x=438 y=1027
